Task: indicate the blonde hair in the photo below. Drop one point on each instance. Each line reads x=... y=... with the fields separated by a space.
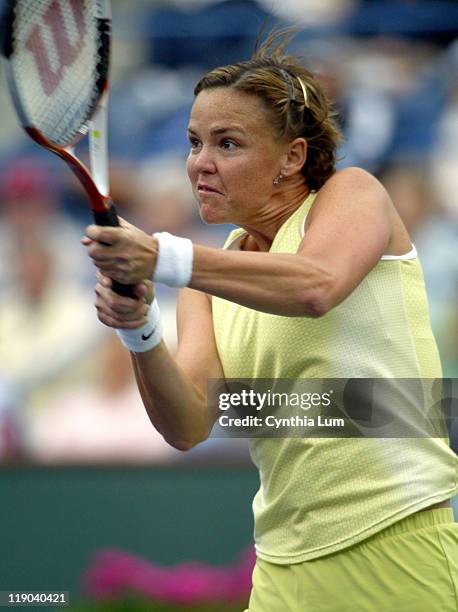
x=292 y=96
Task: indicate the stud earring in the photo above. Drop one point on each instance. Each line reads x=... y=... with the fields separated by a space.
x=278 y=179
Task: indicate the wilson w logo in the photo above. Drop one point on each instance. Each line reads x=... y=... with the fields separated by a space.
x=51 y=71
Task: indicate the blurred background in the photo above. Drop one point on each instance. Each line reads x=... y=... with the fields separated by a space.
x=81 y=468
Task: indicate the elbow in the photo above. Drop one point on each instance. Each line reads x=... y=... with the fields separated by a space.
x=182 y=445
x=317 y=305
x=319 y=299
x=185 y=444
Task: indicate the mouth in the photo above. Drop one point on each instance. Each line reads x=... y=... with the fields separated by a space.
x=203 y=188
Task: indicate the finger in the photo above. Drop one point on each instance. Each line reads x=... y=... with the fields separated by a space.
x=135 y=320
x=116 y=273
x=130 y=313
x=104 y=280
x=123 y=223
x=133 y=324
x=120 y=305
x=128 y=318
x=141 y=291
x=115 y=324
x=151 y=291
x=86 y=241
x=102 y=233
x=106 y=267
x=145 y=291
x=101 y=251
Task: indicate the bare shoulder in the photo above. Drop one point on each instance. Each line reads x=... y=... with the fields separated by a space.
x=349 y=192
x=352 y=211
x=354 y=173
x=354 y=179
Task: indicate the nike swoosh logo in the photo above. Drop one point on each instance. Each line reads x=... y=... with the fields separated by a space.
x=148 y=336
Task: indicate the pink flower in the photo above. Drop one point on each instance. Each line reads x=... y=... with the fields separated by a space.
x=113 y=573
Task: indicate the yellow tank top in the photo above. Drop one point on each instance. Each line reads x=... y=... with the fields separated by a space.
x=319 y=495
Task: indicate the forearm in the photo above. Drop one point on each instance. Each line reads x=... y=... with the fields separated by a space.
x=175 y=406
x=277 y=283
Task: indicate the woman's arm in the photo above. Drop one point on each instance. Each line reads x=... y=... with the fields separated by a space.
x=174 y=391
x=348 y=230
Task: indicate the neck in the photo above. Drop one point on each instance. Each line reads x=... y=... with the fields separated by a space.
x=283 y=203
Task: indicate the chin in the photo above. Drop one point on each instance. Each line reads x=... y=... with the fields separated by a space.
x=211 y=215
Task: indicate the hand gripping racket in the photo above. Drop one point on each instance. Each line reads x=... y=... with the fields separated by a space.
x=56 y=56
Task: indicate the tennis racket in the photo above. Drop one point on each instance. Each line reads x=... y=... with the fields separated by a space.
x=56 y=57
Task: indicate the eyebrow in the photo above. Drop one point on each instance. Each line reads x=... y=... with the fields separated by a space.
x=220 y=130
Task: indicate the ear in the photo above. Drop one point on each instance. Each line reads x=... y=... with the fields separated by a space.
x=296 y=154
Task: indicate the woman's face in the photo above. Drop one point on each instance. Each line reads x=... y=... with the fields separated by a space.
x=234 y=156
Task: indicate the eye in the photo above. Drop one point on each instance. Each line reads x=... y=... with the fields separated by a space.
x=228 y=144
x=194 y=142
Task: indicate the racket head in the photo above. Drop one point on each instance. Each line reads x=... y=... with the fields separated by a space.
x=56 y=57
x=56 y=60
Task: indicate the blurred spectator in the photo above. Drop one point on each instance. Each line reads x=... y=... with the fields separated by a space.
x=366 y=111
x=46 y=322
x=435 y=234
x=418 y=19
x=101 y=421
x=29 y=210
x=158 y=100
x=317 y=13
x=444 y=158
x=210 y=35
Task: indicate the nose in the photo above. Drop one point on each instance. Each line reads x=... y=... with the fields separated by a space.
x=203 y=160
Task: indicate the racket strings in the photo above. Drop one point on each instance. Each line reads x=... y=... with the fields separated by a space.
x=57 y=54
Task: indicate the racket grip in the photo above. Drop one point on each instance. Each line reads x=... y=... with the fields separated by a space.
x=110 y=218
x=125 y=290
x=106 y=217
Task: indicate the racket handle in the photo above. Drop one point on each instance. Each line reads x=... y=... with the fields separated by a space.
x=109 y=217
x=125 y=290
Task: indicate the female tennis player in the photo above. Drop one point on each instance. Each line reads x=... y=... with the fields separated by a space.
x=319 y=280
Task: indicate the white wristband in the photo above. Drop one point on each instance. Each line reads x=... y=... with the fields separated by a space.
x=143 y=338
x=174 y=261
